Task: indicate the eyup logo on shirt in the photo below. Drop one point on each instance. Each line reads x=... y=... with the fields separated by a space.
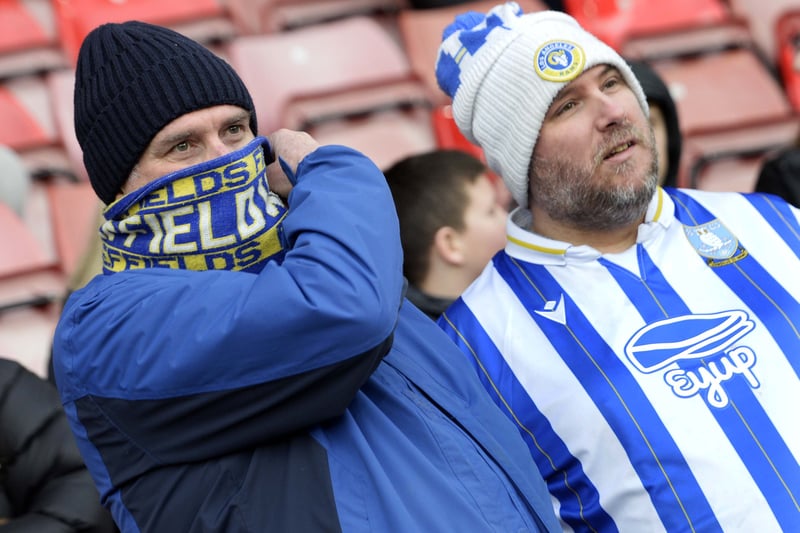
x=697 y=353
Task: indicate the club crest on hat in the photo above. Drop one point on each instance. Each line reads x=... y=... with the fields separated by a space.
x=559 y=61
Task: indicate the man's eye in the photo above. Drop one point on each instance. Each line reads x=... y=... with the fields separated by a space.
x=235 y=129
x=181 y=147
x=611 y=82
x=566 y=107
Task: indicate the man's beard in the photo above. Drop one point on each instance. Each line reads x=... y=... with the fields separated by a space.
x=571 y=194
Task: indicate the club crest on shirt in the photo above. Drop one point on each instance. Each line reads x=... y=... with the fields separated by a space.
x=715 y=242
x=696 y=353
x=559 y=61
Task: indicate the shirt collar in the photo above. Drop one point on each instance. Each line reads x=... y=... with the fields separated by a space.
x=528 y=246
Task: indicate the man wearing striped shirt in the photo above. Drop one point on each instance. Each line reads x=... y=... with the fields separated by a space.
x=645 y=341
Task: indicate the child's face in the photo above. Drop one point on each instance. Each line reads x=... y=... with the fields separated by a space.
x=484 y=224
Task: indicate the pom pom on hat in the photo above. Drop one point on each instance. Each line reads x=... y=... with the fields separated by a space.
x=131 y=80
x=504 y=69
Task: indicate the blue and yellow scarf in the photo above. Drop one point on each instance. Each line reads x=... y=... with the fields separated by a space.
x=218 y=215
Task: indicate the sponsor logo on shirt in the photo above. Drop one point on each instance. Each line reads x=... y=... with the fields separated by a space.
x=696 y=353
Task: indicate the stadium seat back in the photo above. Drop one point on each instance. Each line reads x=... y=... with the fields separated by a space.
x=322 y=61
x=28 y=38
x=763 y=17
x=383 y=136
x=267 y=16
x=203 y=20
x=25 y=108
x=788 y=34
x=723 y=90
x=615 y=21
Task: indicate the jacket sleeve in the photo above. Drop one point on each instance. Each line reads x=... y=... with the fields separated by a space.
x=42 y=474
x=189 y=365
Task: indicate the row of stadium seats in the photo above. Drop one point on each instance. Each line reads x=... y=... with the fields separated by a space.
x=360 y=73
x=36 y=34
x=368 y=67
x=32 y=27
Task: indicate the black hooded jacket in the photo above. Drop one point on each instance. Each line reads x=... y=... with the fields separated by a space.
x=44 y=484
x=780 y=174
x=657 y=93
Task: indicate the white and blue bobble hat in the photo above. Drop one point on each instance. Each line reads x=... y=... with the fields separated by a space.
x=503 y=69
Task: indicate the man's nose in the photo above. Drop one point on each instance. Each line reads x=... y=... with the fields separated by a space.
x=610 y=112
x=217 y=148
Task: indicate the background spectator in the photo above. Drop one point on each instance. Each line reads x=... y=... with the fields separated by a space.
x=44 y=484
x=450 y=224
x=780 y=175
x=663 y=119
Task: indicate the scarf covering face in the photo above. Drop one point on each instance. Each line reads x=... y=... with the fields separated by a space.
x=218 y=215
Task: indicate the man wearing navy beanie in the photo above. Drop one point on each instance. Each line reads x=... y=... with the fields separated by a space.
x=247 y=360
x=131 y=80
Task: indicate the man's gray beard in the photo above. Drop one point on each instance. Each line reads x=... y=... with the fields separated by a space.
x=568 y=194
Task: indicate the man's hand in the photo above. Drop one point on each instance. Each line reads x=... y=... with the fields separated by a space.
x=292 y=147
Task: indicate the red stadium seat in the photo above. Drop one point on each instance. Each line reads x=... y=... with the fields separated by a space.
x=32 y=285
x=265 y=16
x=788 y=34
x=28 y=125
x=63 y=199
x=421 y=32
x=326 y=71
x=27 y=116
x=448 y=135
x=728 y=103
x=21 y=250
x=26 y=334
x=30 y=292
x=733 y=33
x=723 y=90
x=28 y=38
x=384 y=136
x=731 y=172
x=30 y=304
x=61 y=208
x=763 y=18
x=203 y=20
x=73 y=217
x=615 y=21
x=19 y=29
x=345 y=82
x=61 y=87
x=705 y=157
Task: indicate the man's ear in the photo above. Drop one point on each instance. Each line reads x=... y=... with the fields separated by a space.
x=449 y=246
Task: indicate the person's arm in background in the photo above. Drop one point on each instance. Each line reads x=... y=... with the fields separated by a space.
x=44 y=483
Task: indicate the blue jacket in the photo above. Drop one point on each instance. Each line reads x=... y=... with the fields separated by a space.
x=308 y=397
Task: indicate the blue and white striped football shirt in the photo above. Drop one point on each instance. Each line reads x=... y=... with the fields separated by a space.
x=658 y=389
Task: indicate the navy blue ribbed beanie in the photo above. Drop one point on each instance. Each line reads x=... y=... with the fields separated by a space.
x=131 y=80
